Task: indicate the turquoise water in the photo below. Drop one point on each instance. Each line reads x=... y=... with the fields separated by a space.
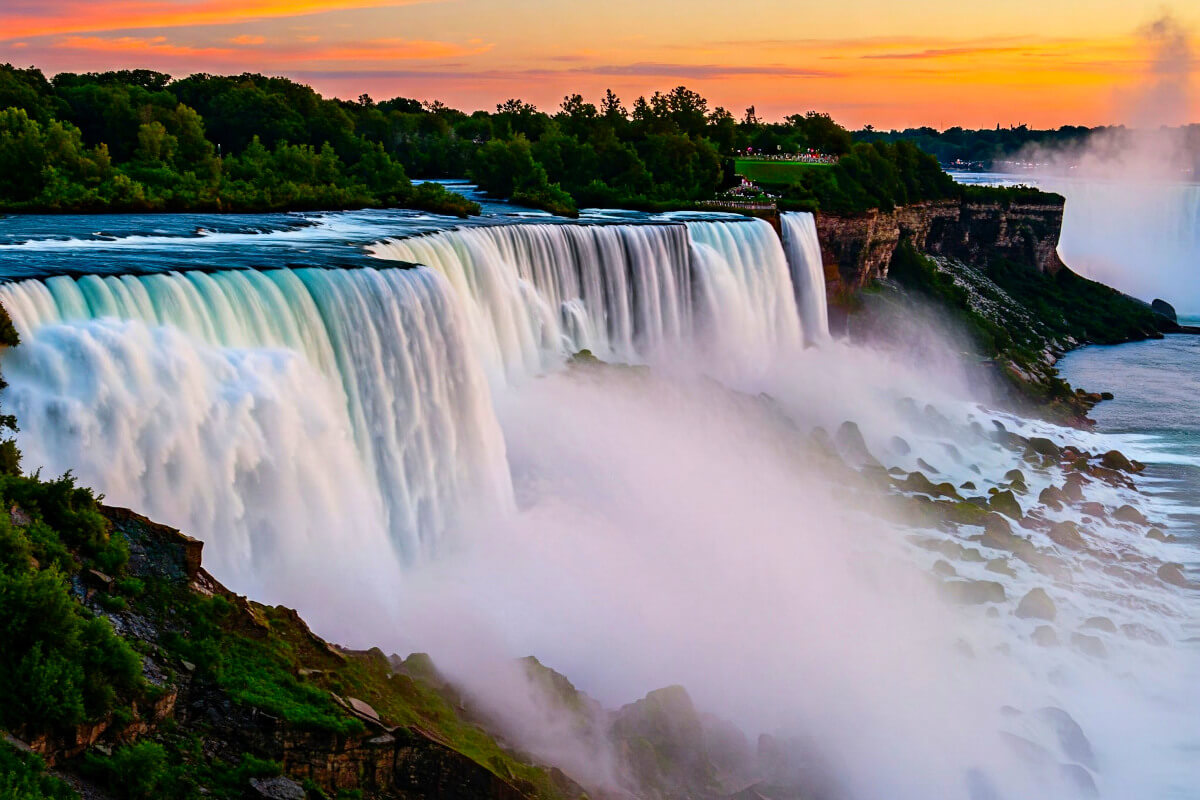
x=1155 y=415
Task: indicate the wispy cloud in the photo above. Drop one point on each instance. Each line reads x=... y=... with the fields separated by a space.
x=156 y=45
x=20 y=20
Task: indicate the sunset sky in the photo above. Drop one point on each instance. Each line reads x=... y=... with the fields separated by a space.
x=890 y=63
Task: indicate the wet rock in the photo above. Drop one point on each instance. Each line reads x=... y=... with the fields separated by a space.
x=1014 y=475
x=1036 y=605
x=900 y=446
x=917 y=482
x=1157 y=535
x=1044 y=447
x=1173 y=574
x=1000 y=566
x=1143 y=633
x=1053 y=497
x=1006 y=503
x=953 y=452
x=1044 y=636
x=1115 y=459
x=941 y=567
x=1093 y=509
x=1071 y=738
x=1089 y=645
x=1073 y=487
x=1100 y=624
x=1066 y=534
x=277 y=788
x=925 y=465
x=972 y=556
x=1128 y=513
x=968 y=485
x=974 y=593
x=850 y=442
x=822 y=442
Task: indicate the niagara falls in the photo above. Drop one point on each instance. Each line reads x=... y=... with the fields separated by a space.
x=461 y=400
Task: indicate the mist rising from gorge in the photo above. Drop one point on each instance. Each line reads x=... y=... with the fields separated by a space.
x=1133 y=197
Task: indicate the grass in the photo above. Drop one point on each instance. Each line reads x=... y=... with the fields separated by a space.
x=763 y=171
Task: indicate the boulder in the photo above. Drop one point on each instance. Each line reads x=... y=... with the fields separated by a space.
x=1066 y=534
x=853 y=447
x=1157 y=535
x=1128 y=513
x=1073 y=487
x=1053 y=497
x=900 y=446
x=1164 y=309
x=974 y=593
x=1115 y=459
x=1044 y=447
x=1006 y=503
x=1173 y=574
x=1001 y=567
x=1089 y=645
x=1093 y=509
x=941 y=567
x=1071 y=738
x=1044 y=636
x=277 y=788
x=1037 y=605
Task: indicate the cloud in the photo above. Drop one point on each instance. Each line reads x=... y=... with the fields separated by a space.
x=247 y=39
x=58 y=17
x=157 y=45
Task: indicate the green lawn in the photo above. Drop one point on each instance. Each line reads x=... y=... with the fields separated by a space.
x=773 y=171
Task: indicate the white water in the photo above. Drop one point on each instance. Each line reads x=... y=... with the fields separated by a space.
x=808 y=273
x=1140 y=236
x=319 y=428
x=389 y=394
x=537 y=293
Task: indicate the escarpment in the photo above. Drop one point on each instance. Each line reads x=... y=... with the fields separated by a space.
x=858 y=248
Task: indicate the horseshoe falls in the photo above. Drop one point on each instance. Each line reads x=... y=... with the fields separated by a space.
x=350 y=411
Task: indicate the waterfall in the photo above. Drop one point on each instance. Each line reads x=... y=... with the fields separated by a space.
x=214 y=401
x=1139 y=236
x=536 y=293
x=808 y=273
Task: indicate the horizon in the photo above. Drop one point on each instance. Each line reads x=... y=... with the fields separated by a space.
x=926 y=65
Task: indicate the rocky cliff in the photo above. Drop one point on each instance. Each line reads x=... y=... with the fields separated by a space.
x=857 y=249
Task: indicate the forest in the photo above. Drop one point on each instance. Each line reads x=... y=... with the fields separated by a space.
x=139 y=140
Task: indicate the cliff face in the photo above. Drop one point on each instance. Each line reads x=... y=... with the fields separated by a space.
x=858 y=249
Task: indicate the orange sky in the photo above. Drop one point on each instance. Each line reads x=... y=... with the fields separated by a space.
x=890 y=63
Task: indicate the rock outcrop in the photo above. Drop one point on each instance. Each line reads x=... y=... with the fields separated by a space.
x=857 y=249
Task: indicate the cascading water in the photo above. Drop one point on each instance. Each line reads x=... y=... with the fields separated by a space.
x=177 y=410
x=321 y=428
x=808 y=272
x=536 y=293
x=1161 y=260
x=385 y=367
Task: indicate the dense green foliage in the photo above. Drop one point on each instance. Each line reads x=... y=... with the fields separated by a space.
x=985 y=147
x=137 y=140
x=1044 y=311
x=23 y=776
x=870 y=176
x=60 y=665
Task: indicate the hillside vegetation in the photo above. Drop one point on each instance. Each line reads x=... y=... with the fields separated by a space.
x=138 y=140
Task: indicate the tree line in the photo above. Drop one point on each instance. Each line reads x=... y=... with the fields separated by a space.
x=139 y=140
